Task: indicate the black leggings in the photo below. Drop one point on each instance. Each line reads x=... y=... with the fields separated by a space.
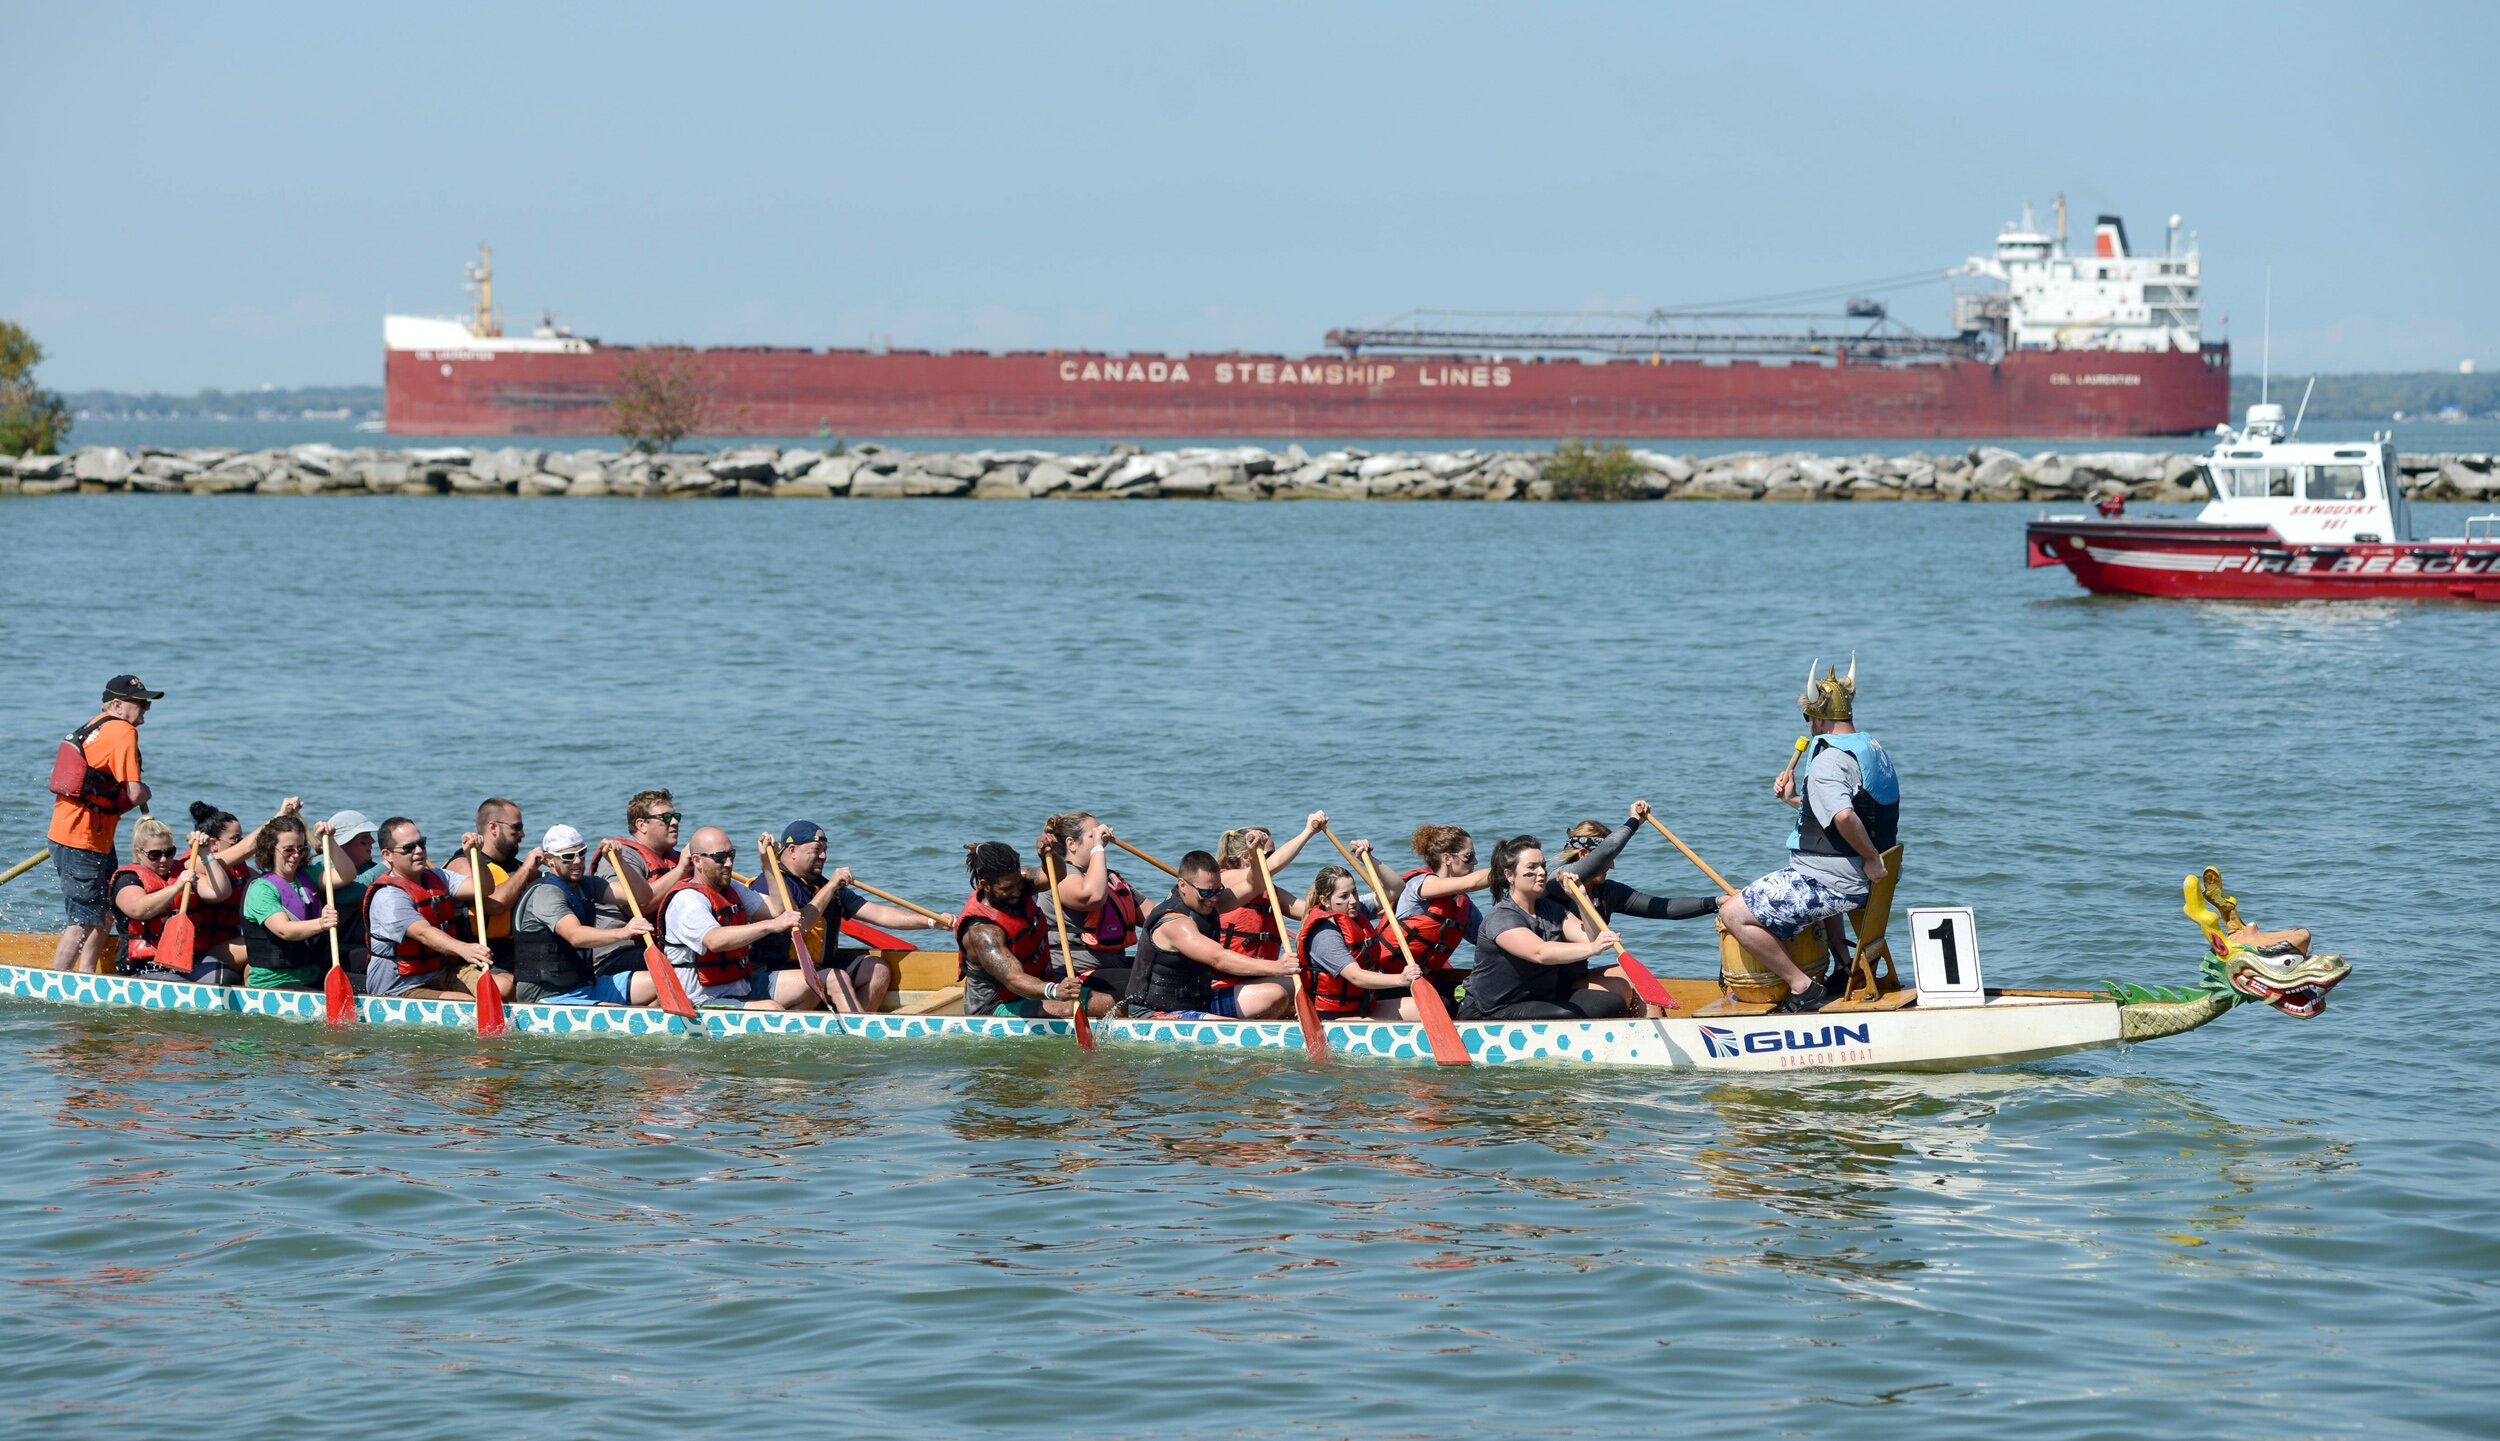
x=1593 y=1004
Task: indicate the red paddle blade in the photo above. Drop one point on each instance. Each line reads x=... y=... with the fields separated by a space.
x=1447 y=1048
x=1644 y=984
x=339 y=1001
x=1314 y=1034
x=490 y=1018
x=179 y=944
x=876 y=940
x=1084 y=1022
x=664 y=979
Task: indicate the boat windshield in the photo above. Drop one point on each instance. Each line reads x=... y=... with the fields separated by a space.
x=2306 y=482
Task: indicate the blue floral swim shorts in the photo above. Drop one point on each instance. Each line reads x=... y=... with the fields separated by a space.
x=1788 y=900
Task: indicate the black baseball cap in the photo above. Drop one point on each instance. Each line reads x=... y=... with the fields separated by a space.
x=129 y=687
x=799 y=833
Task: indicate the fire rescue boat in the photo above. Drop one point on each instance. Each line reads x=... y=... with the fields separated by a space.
x=2288 y=520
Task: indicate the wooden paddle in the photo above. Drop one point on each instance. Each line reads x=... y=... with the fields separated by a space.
x=28 y=864
x=338 y=997
x=1067 y=957
x=1714 y=876
x=1141 y=855
x=1644 y=984
x=489 y=995
x=179 y=943
x=1447 y=1048
x=1305 y=1010
x=798 y=938
x=663 y=975
x=892 y=899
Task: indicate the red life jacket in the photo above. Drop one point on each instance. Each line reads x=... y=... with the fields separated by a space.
x=1434 y=935
x=1251 y=930
x=75 y=780
x=1108 y=930
x=1023 y=929
x=139 y=937
x=221 y=921
x=653 y=863
x=1335 y=995
x=715 y=968
x=436 y=906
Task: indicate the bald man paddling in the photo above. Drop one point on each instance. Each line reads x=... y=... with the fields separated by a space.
x=709 y=924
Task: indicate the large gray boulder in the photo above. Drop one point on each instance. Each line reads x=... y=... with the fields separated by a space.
x=44 y=467
x=1046 y=477
x=835 y=472
x=316 y=458
x=103 y=465
x=542 y=482
x=383 y=475
x=755 y=462
x=795 y=463
x=1998 y=476
x=943 y=466
x=575 y=465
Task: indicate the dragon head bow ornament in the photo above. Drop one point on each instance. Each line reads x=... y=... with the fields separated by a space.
x=2244 y=964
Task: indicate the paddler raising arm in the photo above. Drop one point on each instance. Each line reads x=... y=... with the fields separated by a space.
x=1349 y=962
x=1848 y=812
x=1531 y=951
x=1589 y=855
x=1179 y=957
x=1102 y=908
x=1252 y=928
x=1433 y=904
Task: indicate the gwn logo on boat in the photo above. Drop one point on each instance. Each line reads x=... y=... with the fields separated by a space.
x=1724 y=1044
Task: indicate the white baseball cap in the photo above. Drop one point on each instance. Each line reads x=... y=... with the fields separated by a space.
x=561 y=840
x=347 y=825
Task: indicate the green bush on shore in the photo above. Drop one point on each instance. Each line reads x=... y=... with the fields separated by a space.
x=1581 y=471
x=32 y=419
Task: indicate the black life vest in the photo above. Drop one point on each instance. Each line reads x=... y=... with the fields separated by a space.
x=1165 y=980
x=1877 y=801
x=540 y=957
x=1334 y=995
x=265 y=950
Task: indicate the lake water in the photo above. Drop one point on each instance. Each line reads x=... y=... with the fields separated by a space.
x=2267 y=1228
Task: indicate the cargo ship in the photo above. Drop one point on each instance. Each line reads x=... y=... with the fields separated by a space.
x=2046 y=344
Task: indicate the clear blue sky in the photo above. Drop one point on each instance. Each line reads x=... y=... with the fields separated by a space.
x=232 y=195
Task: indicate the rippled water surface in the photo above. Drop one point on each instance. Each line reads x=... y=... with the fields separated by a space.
x=2268 y=1228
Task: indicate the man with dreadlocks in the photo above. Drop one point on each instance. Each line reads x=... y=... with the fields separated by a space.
x=1007 y=967
x=1848 y=800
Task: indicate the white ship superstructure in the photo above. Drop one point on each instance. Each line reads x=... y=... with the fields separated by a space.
x=2111 y=299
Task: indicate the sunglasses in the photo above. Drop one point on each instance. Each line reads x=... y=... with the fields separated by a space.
x=566 y=858
x=669 y=816
x=409 y=849
x=718 y=858
x=158 y=855
x=1206 y=893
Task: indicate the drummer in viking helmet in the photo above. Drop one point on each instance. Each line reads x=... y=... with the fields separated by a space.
x=1848 y=802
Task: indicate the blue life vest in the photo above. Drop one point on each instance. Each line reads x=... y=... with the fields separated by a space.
x=1877 y=802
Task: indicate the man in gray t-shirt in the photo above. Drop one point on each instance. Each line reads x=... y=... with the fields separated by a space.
x=1848 y=809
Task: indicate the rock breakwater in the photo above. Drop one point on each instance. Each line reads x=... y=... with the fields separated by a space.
x=1125 y=472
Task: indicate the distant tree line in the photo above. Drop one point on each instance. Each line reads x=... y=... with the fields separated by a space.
x=2371 y=396
x=357 y=400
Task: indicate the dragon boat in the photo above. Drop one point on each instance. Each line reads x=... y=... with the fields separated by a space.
x=1882 y=1023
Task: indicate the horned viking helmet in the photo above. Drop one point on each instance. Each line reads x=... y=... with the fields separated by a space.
x=1829 y=696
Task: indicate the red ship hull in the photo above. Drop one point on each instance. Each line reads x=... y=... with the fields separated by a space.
x=2048 y=394
x=2240 y=562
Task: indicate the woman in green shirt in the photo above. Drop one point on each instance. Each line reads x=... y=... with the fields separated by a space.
x=284 y=917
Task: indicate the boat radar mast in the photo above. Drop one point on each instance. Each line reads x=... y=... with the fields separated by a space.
x=484 y=321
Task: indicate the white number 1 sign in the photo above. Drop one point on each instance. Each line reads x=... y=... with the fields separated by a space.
x=1944 y=952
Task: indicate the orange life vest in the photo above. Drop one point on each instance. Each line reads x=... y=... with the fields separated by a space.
x=1335 y=995
x=1252 y=930
x=436 y=906
x=715 y=968
x=653 y=863
x=1434 y=935
x=1023 y=929
x=139 y=938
